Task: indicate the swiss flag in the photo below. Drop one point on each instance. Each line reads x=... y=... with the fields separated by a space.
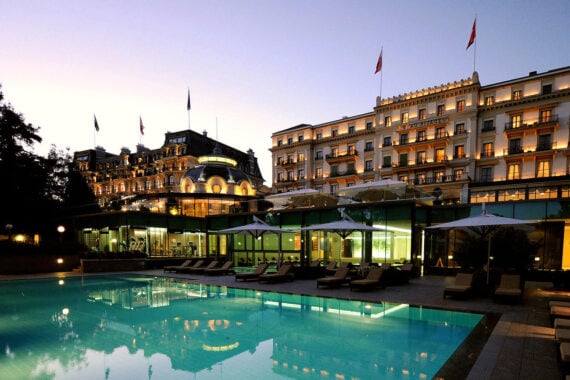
x=379 y=63
x=473 y=34
x=141 y=126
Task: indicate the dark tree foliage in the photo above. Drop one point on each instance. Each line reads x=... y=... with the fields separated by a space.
x=36 y=190
x=24 y=175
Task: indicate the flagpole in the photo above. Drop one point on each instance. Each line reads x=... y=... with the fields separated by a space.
x=188 y=108
x=475 y=48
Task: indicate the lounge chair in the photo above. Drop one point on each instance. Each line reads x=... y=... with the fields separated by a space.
x=282 y=274
x=201 y=269
x=197 y=264
x=175 y=268
x=372 y=280
x=224 y=269
x=509 y=287
x=461 y=287
x=340 y=277
x=331 y=267
x=245 y=276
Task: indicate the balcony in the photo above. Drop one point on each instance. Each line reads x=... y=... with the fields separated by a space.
x=533 y=123
x=488 y=154
x=348 y=156
x=350 y=172
x=513 y=150
x=439 y=179
x=544 y=146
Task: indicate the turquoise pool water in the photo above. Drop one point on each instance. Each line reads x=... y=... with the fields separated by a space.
x=139 y=327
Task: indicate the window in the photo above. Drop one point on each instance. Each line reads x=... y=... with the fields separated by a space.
x=403 y=178
x=403 y=159
x=351 y=129
x=422 y=114
x=487 y=150
x=488 y=125
x=368 y=166
x=545 y=116
x=279 y=160
x=421 y=157
x=319 y=135
x=516 y=121
x=517 y=94
x=368 y=146
x=458 y=174
x=460 y=106
x=388 y=121
x=289 y=140
x=319 y=155
x=300 y=157
x=459 y=152
x=334 y=133
x=489 y=100
x=441 y=110
x=334 y=152
x=289 y=159
x=351 y=150
x=290 y=176
x=334 y=188
x=386 y=161
x=301 y=138
x=405 y=118
x=439 y=155
x=460 y=129
x=487 y=174
x=368 y=125
x=334 y=170
x=420 y=178
x=387 y=141
x=544 y=142
x=543 y=168
x=438 y=175
x=279 y=142
x=515 y=146
x=280 y=177
x=404 y=139
x=319 y=173
x=546 y=89
x=301 y=174
x=440 y=132
x=422 y=136
x=514 y=171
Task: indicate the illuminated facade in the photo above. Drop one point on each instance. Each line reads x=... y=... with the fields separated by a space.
x=163 y=180
x=461 y=142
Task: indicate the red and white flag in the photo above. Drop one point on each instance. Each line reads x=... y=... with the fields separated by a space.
x=379 y=63
x=473 y=34
x=141 y=126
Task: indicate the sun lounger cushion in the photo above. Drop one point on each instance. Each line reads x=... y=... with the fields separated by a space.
x=560 y=312
x=561 y=323
x=565 y=351
x=562 y=335
x=558 y=303
x=462 y=285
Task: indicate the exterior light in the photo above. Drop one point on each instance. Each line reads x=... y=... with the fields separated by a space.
x=60 y=260
x=65 y=311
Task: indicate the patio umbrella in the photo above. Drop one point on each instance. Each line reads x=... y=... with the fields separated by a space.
x=483 y=220
x=343 y=227
x=256 y=229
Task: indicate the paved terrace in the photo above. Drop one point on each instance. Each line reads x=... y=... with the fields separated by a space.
x=521 y=346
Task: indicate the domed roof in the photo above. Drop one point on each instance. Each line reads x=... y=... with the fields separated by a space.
x=218 y=165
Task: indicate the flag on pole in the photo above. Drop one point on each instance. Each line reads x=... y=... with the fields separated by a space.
x=95 y=123
x=141 y=126
x=473 y=34
x=188 y=102
x=379 y=63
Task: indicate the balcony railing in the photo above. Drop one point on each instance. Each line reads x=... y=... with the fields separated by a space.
x=338 y=156
x=533 y=123
x=488 y=154
x=439 y=179
x=514 y=150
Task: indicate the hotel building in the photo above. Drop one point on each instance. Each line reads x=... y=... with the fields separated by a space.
x=460 y=142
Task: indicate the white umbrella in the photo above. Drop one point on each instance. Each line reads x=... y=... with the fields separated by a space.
x=256 y=229
x=343 y=227
x=483 y=220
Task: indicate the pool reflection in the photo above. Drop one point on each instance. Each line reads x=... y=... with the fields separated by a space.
x=166 y=328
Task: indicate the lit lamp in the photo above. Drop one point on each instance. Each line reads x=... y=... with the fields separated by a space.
x=61 y=230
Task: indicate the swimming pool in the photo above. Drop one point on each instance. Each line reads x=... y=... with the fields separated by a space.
x=142 y=327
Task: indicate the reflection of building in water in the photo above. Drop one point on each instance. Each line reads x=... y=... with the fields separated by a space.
x=198 y=326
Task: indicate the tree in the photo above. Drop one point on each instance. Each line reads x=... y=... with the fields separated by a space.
x=24 y=176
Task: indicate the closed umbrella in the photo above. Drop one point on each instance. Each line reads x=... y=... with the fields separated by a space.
x=483 y=220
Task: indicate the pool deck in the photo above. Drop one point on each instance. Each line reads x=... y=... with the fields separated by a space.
x=521 y=346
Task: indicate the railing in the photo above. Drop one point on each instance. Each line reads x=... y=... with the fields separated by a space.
x=513 y=150
x=533 y=123
x=341 y=156
x=487 y=154
x=439 y=179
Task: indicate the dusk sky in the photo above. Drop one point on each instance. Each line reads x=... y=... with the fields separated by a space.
x=253 y=67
